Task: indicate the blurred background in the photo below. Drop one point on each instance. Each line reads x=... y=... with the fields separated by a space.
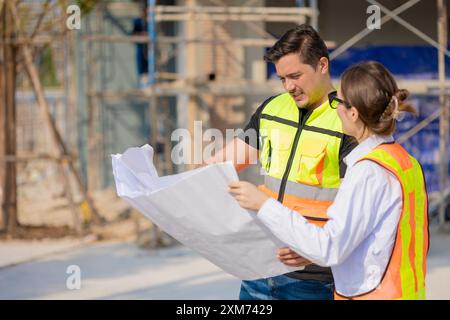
x=81 y=80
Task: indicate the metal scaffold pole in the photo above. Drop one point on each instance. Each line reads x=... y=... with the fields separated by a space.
x=443 y=101
x=151 y=50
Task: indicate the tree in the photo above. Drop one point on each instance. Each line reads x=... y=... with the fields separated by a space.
x=17 y=52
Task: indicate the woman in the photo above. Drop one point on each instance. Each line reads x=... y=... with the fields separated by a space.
x=376 y=239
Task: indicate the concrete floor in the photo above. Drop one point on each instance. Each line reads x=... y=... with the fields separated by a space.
x=118 y=270
x=438 y=267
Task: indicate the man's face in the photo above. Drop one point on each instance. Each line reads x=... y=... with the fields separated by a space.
x=302 y=81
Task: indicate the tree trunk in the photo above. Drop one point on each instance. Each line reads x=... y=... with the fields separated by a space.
x=9 y=204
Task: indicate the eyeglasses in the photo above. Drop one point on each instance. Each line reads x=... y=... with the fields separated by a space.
x=335 y=101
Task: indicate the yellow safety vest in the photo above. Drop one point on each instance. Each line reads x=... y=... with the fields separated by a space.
x=300 y=161
x=404 y=277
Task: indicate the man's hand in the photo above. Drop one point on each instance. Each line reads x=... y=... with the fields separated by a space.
x=236 y=151
x=247 y=195
x=291 y=258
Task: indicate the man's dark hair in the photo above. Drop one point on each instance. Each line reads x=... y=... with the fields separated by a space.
x=302 y=39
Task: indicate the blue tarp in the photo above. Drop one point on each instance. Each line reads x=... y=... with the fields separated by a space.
x=414 y=63
x=425 y=144
x=407 y=62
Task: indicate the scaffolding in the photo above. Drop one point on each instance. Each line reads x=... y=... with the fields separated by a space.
x=210 y=79
x=210 y=95
x=203 y=26
x=193 y=89
x=442 y=85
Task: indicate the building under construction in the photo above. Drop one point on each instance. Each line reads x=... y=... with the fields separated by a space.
x=137 y=70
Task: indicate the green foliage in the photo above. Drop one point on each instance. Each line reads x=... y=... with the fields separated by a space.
x=86 y=6
x=47 y=71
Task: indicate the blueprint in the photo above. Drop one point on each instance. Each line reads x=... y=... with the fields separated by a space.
x=196 y=208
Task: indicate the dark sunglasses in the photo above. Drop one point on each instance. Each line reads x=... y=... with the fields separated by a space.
x=335 y=101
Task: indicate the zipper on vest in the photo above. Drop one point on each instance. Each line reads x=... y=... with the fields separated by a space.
x=269 y=157
x=291 y=156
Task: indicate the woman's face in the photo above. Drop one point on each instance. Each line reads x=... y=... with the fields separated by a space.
x=349 y=117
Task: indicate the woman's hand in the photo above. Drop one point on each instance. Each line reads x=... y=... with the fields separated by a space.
x=247 y=195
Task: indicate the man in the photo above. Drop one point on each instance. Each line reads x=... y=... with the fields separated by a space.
x=299 y=141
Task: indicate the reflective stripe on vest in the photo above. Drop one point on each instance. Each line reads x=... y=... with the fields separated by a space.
x=301 y=190
x=404 y=277
x=305 y=157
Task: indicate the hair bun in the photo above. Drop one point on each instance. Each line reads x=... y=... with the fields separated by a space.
x=402 y=95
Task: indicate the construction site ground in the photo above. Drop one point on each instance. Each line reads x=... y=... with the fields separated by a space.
x=122 y=270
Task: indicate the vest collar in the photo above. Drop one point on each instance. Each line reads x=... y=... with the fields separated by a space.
x=365 y=147
x=317 y=112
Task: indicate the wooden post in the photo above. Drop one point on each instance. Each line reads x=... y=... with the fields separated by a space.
x=2 y=119
x=191 y=68
x=70 y=92
x=167 y=142
x=443 y=122
x=92 y=112
x=9 y=204
x=151 y=82
x=71 y=85
x=153 y=120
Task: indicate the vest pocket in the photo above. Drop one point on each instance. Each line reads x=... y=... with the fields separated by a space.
x=281 y=143
x=312 y=157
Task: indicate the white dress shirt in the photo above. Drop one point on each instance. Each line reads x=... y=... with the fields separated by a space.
x=358 y=239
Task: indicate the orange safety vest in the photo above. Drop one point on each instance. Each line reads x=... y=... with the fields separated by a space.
x=404 y=277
